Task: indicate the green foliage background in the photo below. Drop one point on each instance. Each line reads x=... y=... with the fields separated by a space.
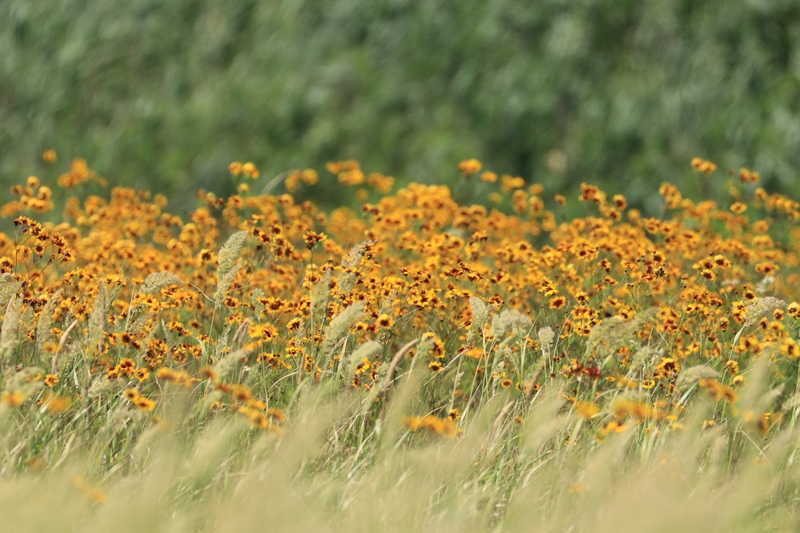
x=163 y=95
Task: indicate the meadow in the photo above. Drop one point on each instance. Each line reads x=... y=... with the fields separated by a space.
x=419 y=364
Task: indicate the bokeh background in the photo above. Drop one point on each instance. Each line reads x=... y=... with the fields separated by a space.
x=164 y=94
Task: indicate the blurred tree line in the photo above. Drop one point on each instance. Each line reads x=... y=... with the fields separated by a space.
x=163 y=95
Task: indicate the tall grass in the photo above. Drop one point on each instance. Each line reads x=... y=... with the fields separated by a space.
x=422 y=365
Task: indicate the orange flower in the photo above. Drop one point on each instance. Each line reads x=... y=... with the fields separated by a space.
x=469 y=166
x=701 y=165
x=145 y=404
x=14 y=399
x=235 y=168
x=586 y=410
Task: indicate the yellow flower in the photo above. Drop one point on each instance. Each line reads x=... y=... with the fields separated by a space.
x=49 y=156
x=249 y=169
x=746 y=176
x=131 y=394
x=613 y=427
x=276 y=415
x=738 y=208
x=312 y=238
x=586 y=410
x=14 y=399
x=708 y=274
x=718 y=391
x=384 y=321
x=58 y=404
x=145 y=404
x=235 y=168
x=469 y=166
x=701 y=165
x=445 y=427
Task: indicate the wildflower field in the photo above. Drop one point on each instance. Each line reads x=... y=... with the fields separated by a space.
x=257 y=363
